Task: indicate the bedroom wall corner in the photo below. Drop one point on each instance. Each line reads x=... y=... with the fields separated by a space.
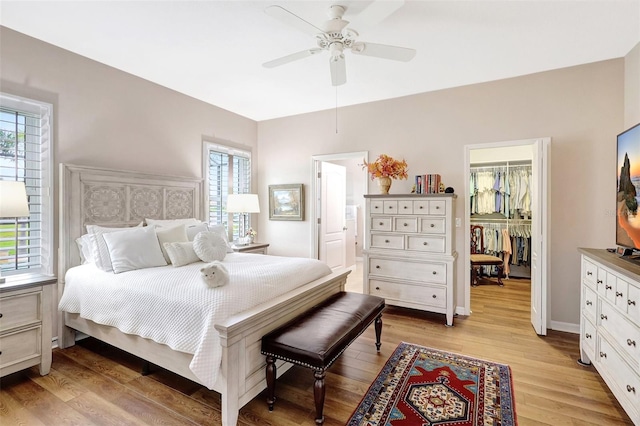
x=632 y=87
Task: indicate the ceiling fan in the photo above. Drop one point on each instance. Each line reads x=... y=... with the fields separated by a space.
x=335 y=37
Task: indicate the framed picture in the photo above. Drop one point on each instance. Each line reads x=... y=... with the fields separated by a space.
x=286 y=202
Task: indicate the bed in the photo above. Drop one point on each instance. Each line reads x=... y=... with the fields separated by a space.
x=105 y=197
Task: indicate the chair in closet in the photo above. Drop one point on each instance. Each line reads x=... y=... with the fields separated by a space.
x=479 y=259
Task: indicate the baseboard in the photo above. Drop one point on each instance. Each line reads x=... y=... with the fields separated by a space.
x=567 y=327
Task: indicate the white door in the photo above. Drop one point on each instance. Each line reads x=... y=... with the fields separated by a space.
x=539 y=234
x=332 y=235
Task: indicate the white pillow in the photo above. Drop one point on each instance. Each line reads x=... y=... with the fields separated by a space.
x=181 y=253
x=135 y=248
x=85 y=248
x=171 y=234
x=193 y=230
x=209 y=246
x=221 y=231
x=99 y=247
x=172 y=222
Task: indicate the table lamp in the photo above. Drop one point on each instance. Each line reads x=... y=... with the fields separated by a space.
x=243 y=204
x=13 y=204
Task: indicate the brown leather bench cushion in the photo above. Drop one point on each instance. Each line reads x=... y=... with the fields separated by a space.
x=316 y=338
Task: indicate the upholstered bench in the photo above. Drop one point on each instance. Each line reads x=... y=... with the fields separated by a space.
x=318 y=337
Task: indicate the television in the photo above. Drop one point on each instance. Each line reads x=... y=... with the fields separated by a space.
x=628 y=189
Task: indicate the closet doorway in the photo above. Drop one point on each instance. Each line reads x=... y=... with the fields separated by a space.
x=529 y=159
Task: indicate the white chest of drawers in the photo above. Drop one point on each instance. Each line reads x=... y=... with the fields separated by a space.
x=25 y=325
x=409 y=258
x=610 y=324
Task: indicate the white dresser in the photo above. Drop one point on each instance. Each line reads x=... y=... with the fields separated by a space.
x=409 y=256
x=25 y=325
x=610 y=324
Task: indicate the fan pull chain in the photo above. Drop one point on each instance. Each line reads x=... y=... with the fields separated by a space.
x=336 y=110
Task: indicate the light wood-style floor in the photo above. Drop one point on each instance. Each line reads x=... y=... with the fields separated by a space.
x=93 y=384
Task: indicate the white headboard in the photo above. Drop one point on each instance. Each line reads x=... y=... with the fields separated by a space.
x=107 y=197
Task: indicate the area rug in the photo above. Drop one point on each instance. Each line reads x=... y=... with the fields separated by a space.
x=419 y=386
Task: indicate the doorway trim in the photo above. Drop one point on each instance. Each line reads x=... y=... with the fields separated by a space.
x=315 y=190
x=544 y=215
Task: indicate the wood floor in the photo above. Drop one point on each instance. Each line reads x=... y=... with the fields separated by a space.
x=94 y=384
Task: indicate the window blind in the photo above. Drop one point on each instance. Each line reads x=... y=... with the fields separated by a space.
x=26 y=242
x=228 y=172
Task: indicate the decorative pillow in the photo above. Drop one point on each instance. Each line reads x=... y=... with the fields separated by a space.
x=193 y=230
x=135 y=248
x=181 y=253
x=171 y=234
x=100 y=252
x=172 y=222
x=209 y=246
x=222 y=232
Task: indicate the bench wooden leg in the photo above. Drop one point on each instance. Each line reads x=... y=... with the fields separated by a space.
x=378 y=325
x=271 y=381
x=318 y=394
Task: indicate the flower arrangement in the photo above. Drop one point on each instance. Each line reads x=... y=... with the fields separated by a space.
x=251 y=232
x=386 y=166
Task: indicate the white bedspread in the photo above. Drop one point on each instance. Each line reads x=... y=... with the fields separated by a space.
x=174 y=307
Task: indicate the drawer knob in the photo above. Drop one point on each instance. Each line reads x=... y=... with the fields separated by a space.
x=437 y=207
x=420 y=207
x=603 y=316
x=588 y=272
x=618 y=294
x=425 y=244
x=599 y=281
x=377 y=266
x=405 y=207
x=406 y=224
x=631 y=302
x=377 y=288
x=631 y=389
x=589 y=303
x=434 y=296
x=375 y=207
x=0 y=315
x=381 y=223
x=608 y=287
x=434 y=272
x=432 y=225
x=631 y=342
x=603 y=355
x=386 y=241
x=390 y=207
x=588 y=336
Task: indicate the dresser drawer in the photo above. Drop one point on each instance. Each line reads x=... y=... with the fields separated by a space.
x=432 y=272
x=588 y=337
x=388 y=241
x=437 y=207
x=421 y=207
x=424 y=295
x=405 y=207
x=432 y=225
x=590 y=300
x=626 y=335
x=19 y=310
x=633 y=303
x=431 y=244
x=377 y=207
x=381 y=223
x=622 y=293
x=390 y=207
x=20 y=346
x=405 y=224
x=626 y=380
x=589 y=272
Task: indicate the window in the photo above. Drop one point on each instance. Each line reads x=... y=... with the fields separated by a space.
x=227 y=171
x=26 y=243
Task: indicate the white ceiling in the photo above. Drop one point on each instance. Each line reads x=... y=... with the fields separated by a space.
x=213 y=50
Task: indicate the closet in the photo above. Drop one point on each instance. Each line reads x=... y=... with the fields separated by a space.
x=500 y=201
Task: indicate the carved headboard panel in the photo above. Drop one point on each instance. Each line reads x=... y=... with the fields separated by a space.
x=106 y=197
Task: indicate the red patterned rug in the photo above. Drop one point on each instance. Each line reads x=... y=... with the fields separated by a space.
x=419 y=386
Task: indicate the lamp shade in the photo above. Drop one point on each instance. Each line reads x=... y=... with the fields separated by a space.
x=243 y=203
x=13 y=199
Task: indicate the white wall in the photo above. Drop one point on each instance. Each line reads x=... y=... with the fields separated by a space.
x=580 y=108
x=632 y=87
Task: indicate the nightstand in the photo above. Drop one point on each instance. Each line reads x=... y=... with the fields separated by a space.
x=259 y=248
x=25 y=324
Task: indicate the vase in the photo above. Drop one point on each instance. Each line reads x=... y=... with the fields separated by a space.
x=384 y=183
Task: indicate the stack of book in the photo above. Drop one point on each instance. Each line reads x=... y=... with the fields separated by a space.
x=427 y=184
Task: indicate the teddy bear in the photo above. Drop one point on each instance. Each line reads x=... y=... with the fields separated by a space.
x=215 y=274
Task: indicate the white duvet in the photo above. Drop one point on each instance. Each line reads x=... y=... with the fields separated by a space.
x=173 y=306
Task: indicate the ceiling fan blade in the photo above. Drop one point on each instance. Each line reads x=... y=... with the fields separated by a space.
x=383 y=51
x=338 y=70
x=375 y=13
x=290 y=58
x=291 y=19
